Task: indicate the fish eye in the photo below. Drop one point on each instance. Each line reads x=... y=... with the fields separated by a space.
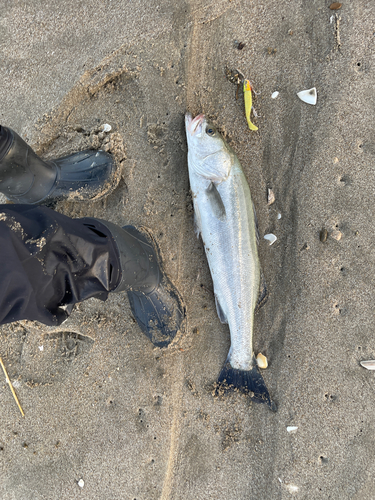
x=210 y=131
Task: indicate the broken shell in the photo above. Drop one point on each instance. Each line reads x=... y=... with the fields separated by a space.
x=81 y=483
x=292 y=429
x=369 y=365
x=278 y=216
x=106 y=127
x=292 y=488
x=271 y=238
x=308 y=96
x=271 y=197
x=262 y=361
x=274 y=95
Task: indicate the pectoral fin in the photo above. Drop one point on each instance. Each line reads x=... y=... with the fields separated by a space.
x=215 y=201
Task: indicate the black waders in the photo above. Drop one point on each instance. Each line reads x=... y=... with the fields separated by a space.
x=25 y=178
x=49 y=262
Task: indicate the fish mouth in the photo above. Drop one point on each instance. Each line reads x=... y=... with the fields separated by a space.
x=194 y=125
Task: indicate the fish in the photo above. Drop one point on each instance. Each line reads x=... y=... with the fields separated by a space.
x=225 y=218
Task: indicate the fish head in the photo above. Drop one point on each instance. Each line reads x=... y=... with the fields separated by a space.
x=208 y=154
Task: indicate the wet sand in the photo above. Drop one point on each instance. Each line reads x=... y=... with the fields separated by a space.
x=101 y=403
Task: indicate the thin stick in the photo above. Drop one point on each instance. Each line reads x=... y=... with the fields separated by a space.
x=11 y=387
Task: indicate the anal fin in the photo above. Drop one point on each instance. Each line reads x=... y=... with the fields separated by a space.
x=220 y=312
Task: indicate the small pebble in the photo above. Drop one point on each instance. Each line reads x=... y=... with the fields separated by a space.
x=336 y=234
x=323 y=235
x=335 y=6
x=274 y=95
x=278 y=216
x=262 y=361
x=81 y=483
x=271 y=197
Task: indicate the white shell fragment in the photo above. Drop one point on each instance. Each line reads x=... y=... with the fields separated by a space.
x=292 y=488
x=278 y=216
x=369 y=365
x=262 y=361
x=308 y=96
x=106 y=127
x=81 y=483
x=274 y=95
x=271 y=197
x=271 y=238
x=292 y=429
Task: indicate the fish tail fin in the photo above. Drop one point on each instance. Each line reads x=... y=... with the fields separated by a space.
x=247 y=381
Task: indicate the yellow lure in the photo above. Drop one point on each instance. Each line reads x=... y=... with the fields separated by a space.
x=248 y=103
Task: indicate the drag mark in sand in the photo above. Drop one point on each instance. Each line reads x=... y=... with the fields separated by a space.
x=211 y=12
x=176 y=405
x=179 y=255
x=175 y=432
x=201 y=49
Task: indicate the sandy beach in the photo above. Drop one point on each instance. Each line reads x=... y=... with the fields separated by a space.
x=108 y=415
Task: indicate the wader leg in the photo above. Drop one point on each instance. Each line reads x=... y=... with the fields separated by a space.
x=49 y=262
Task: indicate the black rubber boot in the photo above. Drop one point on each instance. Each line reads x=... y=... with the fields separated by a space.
x=154 y=301
x=25 y=178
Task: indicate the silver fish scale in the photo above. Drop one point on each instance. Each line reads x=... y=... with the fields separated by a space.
x=232 y=254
